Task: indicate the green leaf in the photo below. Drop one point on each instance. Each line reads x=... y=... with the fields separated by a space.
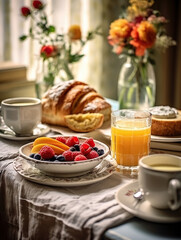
x=23 y=37
x=51 y=28
x=90 y=36
x=49 y=79
x=75 y=57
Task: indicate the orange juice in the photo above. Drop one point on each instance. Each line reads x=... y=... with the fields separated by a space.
x=130 y=140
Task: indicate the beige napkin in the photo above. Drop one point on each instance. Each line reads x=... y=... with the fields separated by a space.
x=37 y=211
x=9 y=148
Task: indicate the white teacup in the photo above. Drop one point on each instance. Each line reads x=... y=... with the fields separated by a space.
x=21 y=114
x=160 y=180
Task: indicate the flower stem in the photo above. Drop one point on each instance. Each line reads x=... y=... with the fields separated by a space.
x=68 y=71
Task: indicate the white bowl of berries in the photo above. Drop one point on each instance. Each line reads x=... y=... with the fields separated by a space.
x=64 y=156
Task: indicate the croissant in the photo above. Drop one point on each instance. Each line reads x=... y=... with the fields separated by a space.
x=72 y=97
x=84 y=122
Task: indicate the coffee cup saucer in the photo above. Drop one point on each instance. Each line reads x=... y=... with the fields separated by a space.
x=40 y=130
x=142 y=208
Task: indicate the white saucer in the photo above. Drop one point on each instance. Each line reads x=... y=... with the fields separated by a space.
x=142 y=208
x=99 y=173
x=165 y=139
x=40 y=130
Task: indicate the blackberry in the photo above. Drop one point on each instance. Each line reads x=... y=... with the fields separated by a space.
x=32 y=155
x=72 y=149
x=100 y=152
x=95 y=148
x=60 y=158
x=77 y=147
x=52 y=159
x=37 y=156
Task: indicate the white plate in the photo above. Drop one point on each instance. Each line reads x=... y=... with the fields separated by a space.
x=142 y=208
x=165 y=139
x=99 y=173
x=39 y=131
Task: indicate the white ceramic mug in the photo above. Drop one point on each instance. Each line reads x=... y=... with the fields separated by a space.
x=160 y=180
x=21 y=114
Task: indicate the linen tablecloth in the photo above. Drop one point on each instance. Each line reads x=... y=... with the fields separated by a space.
x=33 y=211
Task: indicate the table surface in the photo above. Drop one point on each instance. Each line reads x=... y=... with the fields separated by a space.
x=138 y=229
x=133 y=229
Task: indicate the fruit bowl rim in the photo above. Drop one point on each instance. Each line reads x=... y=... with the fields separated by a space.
x=106 y=149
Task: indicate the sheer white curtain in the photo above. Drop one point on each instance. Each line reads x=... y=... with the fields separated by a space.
x=61 y=14
x=14 y=25
x=99 y=67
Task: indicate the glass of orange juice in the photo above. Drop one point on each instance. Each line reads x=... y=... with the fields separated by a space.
x=130 y=137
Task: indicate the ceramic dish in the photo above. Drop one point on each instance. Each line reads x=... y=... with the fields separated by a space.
x=67 y=168
x=105 y=169
x=39 y=131
x=165 y=139
x=142 y=208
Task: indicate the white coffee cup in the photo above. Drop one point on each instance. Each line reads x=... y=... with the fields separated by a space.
x=160 y=180
x=21 y=114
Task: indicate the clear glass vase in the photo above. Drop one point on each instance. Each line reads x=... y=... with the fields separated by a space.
x=49 y=72
x=136 y=84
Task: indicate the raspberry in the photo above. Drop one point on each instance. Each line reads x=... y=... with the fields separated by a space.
x=80 y=158
x=92 y=154
x=76 y=153
x=71 y=141
x=61 y=139
x=90 y=141
x=68 y=155
x=46 y=152
x=85 y=148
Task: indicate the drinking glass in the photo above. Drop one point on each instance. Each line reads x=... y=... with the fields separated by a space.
x=130 y=137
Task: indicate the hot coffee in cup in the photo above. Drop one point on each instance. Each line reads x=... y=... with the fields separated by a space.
x=160 y=180
x=21 y=115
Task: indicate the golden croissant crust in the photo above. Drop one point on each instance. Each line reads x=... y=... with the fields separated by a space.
x=72 y=97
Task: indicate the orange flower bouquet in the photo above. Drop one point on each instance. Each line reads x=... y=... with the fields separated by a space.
x=135 y=36
x=57 y=50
